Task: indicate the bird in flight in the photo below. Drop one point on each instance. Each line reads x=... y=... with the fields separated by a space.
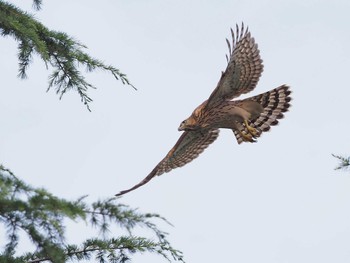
x=247 y=118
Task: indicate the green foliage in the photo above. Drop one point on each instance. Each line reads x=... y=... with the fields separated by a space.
x=40 y=215
x=26 y=211
x=344 y=163
x=63 y=53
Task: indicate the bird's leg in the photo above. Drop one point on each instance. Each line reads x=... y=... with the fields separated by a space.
x=252 y=131
x=244 y=133
x=247 y=137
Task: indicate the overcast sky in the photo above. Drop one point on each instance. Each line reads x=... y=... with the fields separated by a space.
x=278 y=200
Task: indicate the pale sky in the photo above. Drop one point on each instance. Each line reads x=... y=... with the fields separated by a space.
x=278 y=200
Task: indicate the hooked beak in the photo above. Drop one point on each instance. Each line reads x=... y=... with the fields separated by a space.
x=181 y=127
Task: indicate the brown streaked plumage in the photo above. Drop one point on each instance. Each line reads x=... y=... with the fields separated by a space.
x=247 y=118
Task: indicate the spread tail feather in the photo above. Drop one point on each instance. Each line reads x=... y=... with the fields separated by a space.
x=274 y=102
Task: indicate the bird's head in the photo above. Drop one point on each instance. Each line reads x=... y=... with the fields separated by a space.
x=192 y=122
x=182 y=126
x=188 y=125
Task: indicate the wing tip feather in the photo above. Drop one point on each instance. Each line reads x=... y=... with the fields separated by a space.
x=143 y=182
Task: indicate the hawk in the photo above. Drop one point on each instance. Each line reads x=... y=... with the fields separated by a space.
x=247 y=118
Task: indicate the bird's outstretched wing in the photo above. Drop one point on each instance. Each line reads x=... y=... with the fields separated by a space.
x=244 y=68
x=187 y=148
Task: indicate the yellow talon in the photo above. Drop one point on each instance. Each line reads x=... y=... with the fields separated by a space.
x=247 y=137
x=250 y=129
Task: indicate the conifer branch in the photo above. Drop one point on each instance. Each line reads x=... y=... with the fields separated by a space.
x=344 y=163
x=37 y=4
x=40 y=215
x=113 y=250
x=64 y=54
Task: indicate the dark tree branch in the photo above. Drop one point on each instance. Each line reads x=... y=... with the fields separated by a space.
x=63 y=53
x=344 y=163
